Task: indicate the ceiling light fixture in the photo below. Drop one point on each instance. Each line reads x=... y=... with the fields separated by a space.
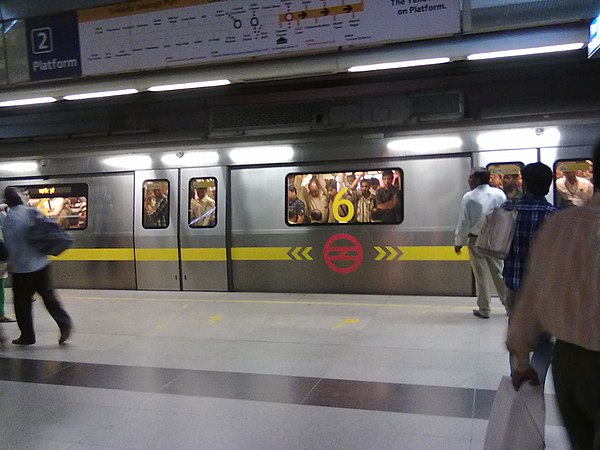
x=190 y=159
x=399 y=64
x=27 y=101
x=131 y=162
x=519 y=138
x=436 y=143
x=526 y=51
x=100 y=94
x=20 y=167
x=194 y=85
x=256 y=155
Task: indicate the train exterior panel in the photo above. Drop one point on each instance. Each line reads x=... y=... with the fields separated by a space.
x=227 y=224
x=414 y=257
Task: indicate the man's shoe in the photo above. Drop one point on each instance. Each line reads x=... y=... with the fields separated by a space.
x=479 y=314
x=65 y=333
x=21 y=341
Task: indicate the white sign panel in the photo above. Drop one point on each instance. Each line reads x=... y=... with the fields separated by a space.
x=149 y=34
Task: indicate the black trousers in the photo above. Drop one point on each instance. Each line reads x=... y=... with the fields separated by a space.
x=25 y=285
x=576 y=372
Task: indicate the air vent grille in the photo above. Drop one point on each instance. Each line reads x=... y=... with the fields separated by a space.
x=437 y=106
x=265 y=116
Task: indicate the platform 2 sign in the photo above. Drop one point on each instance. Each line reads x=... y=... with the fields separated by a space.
x=53 y=47
x=144 y=34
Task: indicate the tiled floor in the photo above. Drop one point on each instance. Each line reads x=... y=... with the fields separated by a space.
x=163 y=370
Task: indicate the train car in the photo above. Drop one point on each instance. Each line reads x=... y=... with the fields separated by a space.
x=202 y=216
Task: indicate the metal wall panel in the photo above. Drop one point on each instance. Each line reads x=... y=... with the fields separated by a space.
x=156 y=250
x=298 y=254
x=110 y=227
x=203 y=250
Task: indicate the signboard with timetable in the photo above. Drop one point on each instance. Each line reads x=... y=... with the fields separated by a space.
x=149 y=34
x=53 y=47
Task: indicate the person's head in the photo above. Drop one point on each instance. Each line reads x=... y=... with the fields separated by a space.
x=12 y=197
x=201 y=192
x=374 y=182
x=364 y=188
x=509 y=182
x=570 y=176
x=316 y=216
x=158 y=193
x=478 y=176
x=331 y=187
x=597 y=166
x=292 y=193
x=313 y=188
x=537 y=178
x=351 y=178
x=387 y=177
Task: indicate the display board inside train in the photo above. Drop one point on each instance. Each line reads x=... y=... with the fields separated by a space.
x=149 y=34
x=359 y=197
x=65 y=203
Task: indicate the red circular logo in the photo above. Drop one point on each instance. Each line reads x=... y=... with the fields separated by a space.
x=343 y=253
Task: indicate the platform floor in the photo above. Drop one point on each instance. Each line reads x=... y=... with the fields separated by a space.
x=181 y=370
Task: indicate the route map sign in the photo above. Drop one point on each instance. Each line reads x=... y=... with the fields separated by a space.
x=150 y=34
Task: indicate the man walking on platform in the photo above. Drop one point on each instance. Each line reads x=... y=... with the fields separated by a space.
x=474 y=206
x=30 y=272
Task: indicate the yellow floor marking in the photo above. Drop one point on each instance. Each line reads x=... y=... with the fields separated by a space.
x=278 y=302
x=214 y=319
x=346 y=322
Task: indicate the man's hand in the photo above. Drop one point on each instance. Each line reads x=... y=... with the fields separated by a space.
x=520 y=376
x=457 y=249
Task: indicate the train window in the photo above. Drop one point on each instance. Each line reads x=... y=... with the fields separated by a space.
x=156 y=204
x=573 y=182
x=202 y=209
x=372 y=196
x=507 y=176
x=65 y=203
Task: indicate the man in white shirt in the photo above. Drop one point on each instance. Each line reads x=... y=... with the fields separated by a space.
x=573 y=190
x=475 y=205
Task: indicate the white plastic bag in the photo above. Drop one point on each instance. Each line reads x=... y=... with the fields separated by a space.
x=517 y=418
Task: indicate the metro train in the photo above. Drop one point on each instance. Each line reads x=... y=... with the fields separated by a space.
x=215 y=217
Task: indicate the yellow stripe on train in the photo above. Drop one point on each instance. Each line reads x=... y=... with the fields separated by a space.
x=219 y=254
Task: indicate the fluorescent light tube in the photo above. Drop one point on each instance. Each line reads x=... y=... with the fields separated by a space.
x=526 y=51
x=100 y=94
x=437 y=143
x=131 y=162
x=256 y=155
x=518 y=138
x=195 y=85
x=399 y=64
x=27 y=101
x=18 y=167
x=190 y=159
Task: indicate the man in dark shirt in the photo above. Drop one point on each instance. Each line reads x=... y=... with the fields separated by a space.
x=532 y=209
x=296 y=207
x=387 y=201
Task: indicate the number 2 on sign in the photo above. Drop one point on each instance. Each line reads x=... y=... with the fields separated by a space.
x=339 y=201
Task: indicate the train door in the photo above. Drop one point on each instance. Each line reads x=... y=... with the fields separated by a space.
x=202 y=228
x=505 y=168
x=156 y=241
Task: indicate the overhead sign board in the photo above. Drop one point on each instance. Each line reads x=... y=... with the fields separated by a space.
x=150 y=34
x=594 y=42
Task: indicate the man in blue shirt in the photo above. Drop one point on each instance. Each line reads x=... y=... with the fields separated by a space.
x=532 y=210
x=30 y=272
